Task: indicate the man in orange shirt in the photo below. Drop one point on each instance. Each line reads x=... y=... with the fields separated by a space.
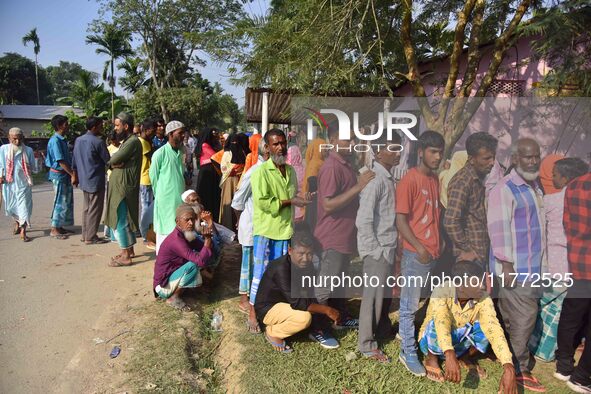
x=417 y=220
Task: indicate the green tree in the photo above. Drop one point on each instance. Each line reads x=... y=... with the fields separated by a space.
x=338 y=46
x=18 y=81
x=88 y=94
x=113 y=42
x=61 y=77
x=135 y=76
x=562 y=37
x=171 y=33
x=33 y=38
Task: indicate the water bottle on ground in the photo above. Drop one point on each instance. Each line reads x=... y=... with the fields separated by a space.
x=216 y=321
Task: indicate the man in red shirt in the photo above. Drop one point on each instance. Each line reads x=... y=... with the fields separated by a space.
x=577 y=227
x=338 y=201
x=417 y=220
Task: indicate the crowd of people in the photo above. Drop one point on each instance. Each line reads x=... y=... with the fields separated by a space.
x=517 y=237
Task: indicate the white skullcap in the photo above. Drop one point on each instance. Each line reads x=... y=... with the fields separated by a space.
x=187 y=193
x=15 y=131
x=172 y=126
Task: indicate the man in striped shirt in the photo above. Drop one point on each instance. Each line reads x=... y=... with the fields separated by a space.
x=517 y=236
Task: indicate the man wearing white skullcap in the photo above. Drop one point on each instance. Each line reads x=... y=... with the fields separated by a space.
x=16 y=162
x=168 y=182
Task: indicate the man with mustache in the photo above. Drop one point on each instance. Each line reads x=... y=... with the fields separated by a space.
x=465 y=216
x=516 y=228
x=274 y=189
x=180 y=258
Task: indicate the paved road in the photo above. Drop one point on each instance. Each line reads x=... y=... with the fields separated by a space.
x=52 y=293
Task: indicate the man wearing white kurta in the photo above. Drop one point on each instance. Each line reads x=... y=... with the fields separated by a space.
x=16 y=163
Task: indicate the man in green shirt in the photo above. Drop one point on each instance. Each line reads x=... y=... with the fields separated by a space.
x=168 y=183
x=274 y=189
x=122 y=210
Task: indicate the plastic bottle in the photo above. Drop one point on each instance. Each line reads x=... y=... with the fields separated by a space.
x=216 y=321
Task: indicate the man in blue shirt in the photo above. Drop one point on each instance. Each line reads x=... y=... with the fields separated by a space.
x=62 y=176
x=89 y=161
x=159 y=139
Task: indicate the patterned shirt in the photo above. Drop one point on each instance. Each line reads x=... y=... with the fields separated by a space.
x=516 y=226
x=447 y=315
x=577 y=226
x=376 y=217
x=465 y=216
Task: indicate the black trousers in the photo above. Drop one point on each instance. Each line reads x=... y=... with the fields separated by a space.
x=575 y=322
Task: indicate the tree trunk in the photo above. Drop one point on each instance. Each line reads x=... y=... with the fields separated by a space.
x=37 y=80
x=112 y=84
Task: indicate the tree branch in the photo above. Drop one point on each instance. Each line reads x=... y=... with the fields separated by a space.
x=414 y=75
x=501 y=47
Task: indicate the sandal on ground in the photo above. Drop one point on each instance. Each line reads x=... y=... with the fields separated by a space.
x=282 y=347
x=470 y=366
x=59 y=236
x=115 y=262
x=180 y=305
x=376 y=355
x=243 y=309
x=96 y=240
x=253 y=329
x=434 y=373
x=25 y=238
x=532 y=383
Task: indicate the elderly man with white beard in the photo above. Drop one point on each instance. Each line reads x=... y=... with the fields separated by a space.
x=16 y=162
x=516 y=228
x=180 y=258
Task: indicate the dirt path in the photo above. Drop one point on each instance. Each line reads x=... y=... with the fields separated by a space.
x=56 y=297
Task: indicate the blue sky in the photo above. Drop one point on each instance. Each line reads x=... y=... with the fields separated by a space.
x=62 y=28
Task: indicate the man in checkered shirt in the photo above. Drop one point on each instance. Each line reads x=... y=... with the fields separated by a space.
x=577 y=226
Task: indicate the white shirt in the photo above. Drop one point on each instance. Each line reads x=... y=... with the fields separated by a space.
x=242 y=201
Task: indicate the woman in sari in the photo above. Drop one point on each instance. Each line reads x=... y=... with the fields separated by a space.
x=208 y=178
x=231 y=166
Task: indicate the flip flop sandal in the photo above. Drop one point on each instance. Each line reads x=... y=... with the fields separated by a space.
x=434 y=374
x=96 y=241
x=531 y=384
x=116 y=263
x=253 y=329
x=478 y=369
x=377 y=355
x=59 y=236
x=282 y=347
x=243 y=310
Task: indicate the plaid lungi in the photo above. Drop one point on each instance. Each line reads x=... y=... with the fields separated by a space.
x=462 y=339
x=542 y=342
x=264 y=250
x=123 y=233
x=63 y=203
x=246 y=270
x=187 y=276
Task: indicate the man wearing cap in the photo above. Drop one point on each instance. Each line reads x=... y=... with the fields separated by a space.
x=122 y=210
x=16 y=162
x=168 y=182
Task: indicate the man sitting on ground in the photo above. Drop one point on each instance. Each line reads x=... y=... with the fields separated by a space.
x=284 y=311
x=460 y=321
x=180 y=258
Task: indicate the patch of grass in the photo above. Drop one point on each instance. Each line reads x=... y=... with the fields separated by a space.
x=312 y=369
x=173 y=352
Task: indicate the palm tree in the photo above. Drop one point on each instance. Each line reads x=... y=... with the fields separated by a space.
x=135 y=76
x=32 y=37
x=113 y=42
